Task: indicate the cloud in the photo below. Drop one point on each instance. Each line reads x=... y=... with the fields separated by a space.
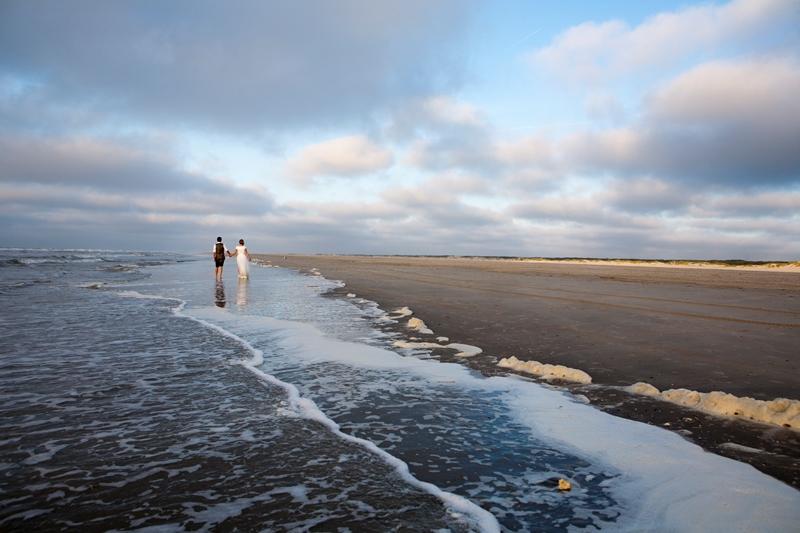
x=90 y=162
x=646 y=195
x=434 y=116
x=585 y=228
x=581 y=210
x=354 y=155
x=757 y=93
x=783 y=205
x=442 y=212
x=445 y=110
x=466 y=151
x=250 y=66
x=718 y=124
x=446 y=134
x=725 y=123
x=655 y=186
x=598 y=51
x=431 y=216
x=116 y=194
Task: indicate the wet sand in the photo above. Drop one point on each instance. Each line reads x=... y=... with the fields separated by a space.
x=704 y=329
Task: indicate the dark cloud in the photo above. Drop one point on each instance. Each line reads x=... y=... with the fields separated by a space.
x=248 y=64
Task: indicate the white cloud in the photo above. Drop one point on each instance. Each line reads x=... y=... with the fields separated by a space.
x=593 y=51
x=354 y=155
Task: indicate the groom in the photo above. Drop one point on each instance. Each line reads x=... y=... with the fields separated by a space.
x=218 y=253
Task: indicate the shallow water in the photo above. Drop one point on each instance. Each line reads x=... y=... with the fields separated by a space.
x=122 y=411
x=116 y=415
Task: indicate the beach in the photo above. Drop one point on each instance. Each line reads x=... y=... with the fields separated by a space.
x=141 y=392
x=705 y=329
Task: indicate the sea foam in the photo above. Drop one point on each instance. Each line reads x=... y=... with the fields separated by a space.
x=780 y=411
x=545 y=371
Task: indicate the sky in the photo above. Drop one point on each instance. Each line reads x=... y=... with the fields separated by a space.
x=651 y=129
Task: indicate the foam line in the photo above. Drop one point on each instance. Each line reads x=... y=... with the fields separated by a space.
x=545 y=371
x=306 y=407
x=779 y=412
x=419 y=325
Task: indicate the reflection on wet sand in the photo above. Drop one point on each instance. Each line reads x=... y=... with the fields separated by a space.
x=241 y=292
x=219 y=294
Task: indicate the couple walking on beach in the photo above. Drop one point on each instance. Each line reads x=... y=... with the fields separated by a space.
x=219 y=251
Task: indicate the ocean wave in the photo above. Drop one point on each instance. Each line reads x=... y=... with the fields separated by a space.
x=124 y=262
x=92 y=285
x=122 y=267
x=48 y=260
x=22 y=284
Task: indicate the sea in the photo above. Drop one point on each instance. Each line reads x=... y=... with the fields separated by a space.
x=138 y=393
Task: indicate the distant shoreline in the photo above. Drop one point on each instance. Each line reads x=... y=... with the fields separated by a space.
x=722 y=264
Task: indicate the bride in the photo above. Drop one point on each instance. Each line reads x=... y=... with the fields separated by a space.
x=242 y=259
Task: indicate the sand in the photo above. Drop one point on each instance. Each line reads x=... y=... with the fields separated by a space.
x=699 y=327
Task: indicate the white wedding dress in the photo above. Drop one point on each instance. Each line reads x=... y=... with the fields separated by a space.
x=242 y=261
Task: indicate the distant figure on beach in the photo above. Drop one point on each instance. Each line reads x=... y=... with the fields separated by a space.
x=242 y=259
x=218 y=252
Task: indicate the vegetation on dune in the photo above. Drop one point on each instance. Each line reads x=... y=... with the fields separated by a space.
x=677 y=262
